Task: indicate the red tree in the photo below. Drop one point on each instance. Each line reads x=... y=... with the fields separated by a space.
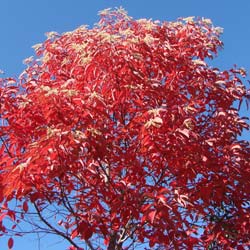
x=122 y=134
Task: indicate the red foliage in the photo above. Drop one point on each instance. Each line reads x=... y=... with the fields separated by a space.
x=10 y=243
x=128 y=133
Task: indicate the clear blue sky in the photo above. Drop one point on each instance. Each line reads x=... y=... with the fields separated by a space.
x=24 y=22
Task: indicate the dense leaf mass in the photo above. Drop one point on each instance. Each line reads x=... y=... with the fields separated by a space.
x=123 y=133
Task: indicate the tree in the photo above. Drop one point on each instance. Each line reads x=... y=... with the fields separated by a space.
x=123 y=134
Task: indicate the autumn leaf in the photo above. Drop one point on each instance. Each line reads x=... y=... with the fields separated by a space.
x=10 y=243
x=25 y=207
x=151 y=216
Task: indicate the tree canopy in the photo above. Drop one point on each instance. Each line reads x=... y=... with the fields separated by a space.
x=123 y=134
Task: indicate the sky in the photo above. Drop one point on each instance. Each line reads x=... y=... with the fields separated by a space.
x=24 y=22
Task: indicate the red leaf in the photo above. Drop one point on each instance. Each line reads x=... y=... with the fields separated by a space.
x=184 y=132
x=151 y=216
x=152 y=242
x=25 y=207
x=74 y=234
x=10 y=243
x=2 y=216
x=106 y=241
x=12 y=215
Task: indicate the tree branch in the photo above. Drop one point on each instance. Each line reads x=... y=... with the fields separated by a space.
x=4 y=143
x=53 y=228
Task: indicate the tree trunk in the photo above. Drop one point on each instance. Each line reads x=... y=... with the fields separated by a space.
x=113 y=244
